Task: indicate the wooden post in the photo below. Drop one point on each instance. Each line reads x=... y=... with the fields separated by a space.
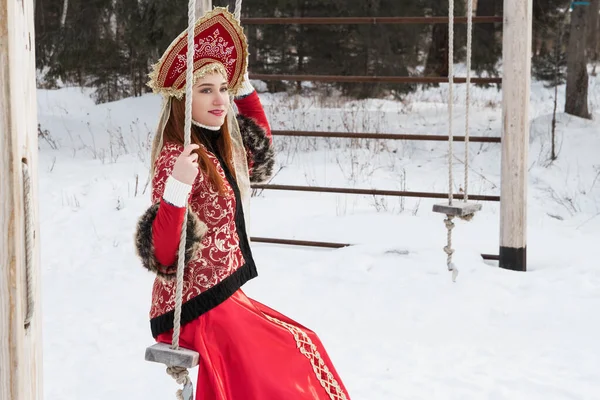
x=517 y=37
x=20 y=342
x=202 y=7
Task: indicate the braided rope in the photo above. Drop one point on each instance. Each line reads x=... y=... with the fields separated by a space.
x=29 y=229
x=238 y=10
x=181 y=375
x=450 y=97
x=449 y=218
x=187 y=140
x=468 y=96
x=448 y=221
x=448 y=248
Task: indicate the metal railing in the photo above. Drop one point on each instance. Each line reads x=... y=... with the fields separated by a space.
x=381 y=136
x=367 y=20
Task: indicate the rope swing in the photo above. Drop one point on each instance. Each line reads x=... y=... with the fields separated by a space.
x=464 y=210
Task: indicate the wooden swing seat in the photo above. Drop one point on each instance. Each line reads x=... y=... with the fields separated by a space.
x=458 y=209
x=164 y=354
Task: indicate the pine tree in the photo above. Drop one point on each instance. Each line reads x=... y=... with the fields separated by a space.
x=111 y=44
x=380 y=50
x=271 y=46
x=545 y=13
x=77 y=47
x=487 y=44
x=550 y=67
x=47 y=26
x=437 y=56
x=320 y=47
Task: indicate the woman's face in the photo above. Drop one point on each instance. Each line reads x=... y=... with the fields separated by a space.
x=210 y=100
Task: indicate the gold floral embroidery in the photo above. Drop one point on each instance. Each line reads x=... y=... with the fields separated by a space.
x=219 y=255
x=309 y=349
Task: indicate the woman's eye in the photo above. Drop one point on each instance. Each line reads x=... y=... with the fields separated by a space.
x=224 y=89
x=205 y=91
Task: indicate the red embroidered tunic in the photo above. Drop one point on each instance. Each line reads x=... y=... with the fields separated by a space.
x=223 y=262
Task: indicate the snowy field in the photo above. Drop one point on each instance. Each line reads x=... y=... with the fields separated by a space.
x=394 y=324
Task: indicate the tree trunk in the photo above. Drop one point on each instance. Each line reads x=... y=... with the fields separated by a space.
x=553 y=155
x=437 y=58
x=485 y=8
x=486 y=47
x=558 y=43
x=113 y=22
x=577 y=75
x=252 y=43
x=594 y=31
x=300 y=53
x=63 y=17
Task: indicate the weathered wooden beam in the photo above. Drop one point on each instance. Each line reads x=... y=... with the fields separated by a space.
x=517 y=36
x=202 y=7
x=20 y=319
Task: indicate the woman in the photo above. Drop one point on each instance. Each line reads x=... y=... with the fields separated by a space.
x=247 y=350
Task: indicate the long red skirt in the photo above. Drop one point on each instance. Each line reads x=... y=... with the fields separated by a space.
x=249 y=351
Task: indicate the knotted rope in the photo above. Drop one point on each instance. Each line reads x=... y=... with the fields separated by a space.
x=448 y=222
x=181 y=375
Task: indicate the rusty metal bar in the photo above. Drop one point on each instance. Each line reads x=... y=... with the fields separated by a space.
x=387 y=136
x=327 y=245
x=371 y=79
x=366 y=20
x=306 y=243
x=373 y=192
x=368 y=79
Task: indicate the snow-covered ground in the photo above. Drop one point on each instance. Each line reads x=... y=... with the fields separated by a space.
x=394 y=324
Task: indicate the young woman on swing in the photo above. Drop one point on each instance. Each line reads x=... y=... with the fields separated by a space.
x=248 y=351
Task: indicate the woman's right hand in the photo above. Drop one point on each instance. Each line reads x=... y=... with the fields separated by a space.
x=185 y=169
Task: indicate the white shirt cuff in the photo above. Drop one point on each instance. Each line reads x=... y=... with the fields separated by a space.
x=245 y=89
x=176 y=193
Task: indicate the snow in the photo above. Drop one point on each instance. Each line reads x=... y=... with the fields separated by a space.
x=394 y=324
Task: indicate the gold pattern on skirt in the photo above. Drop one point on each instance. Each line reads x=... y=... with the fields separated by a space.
x=308 y=348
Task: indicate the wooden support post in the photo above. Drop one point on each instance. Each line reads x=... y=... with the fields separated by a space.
x=517 y=36
x=20 y=319
x=203 y=6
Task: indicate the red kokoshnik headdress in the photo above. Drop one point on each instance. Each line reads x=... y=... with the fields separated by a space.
x=219 y=45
